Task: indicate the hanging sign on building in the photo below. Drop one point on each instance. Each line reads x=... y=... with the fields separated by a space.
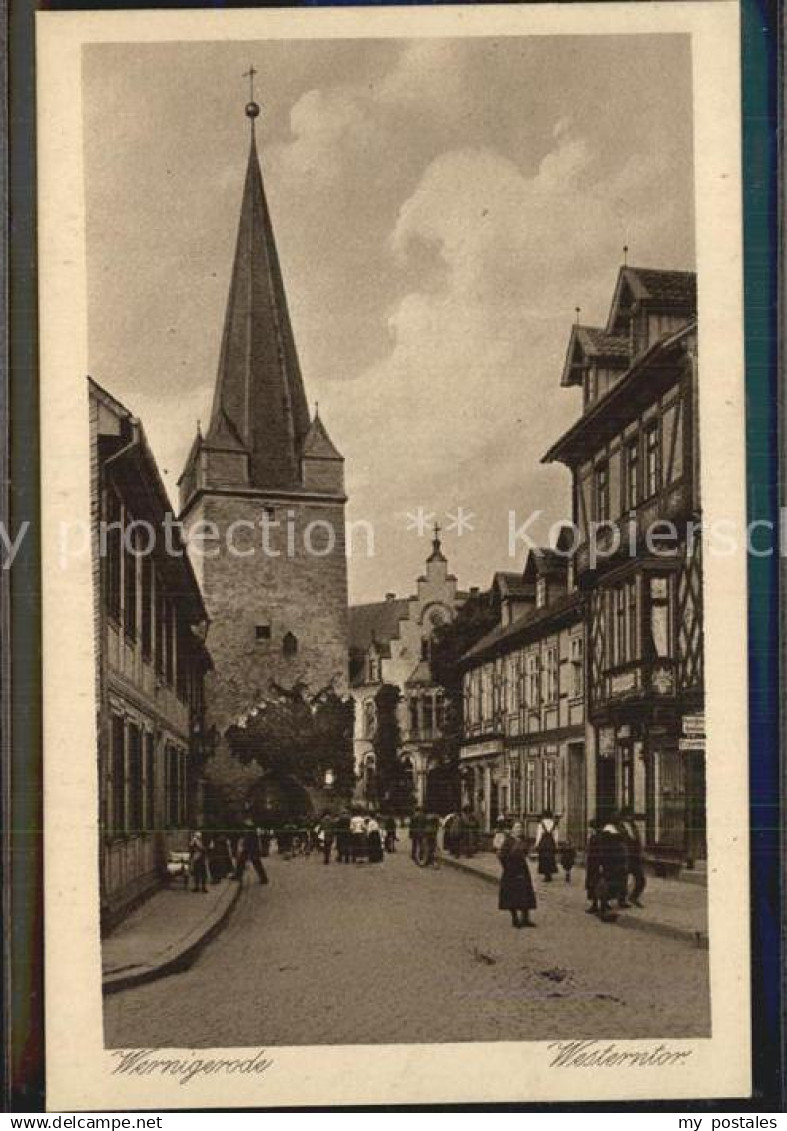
x=606 y=742
x=686 y=745
x=694 y=726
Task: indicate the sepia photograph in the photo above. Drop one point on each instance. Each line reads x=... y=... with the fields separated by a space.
x=395 y=565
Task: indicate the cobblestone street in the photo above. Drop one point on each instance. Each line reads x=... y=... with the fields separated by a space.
x=394 y=953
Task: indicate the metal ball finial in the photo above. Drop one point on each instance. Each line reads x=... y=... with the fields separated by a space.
x=252 y=110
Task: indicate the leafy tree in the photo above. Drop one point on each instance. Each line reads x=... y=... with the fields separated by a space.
x=394 y=781
x=290 y=733
x=450 y=641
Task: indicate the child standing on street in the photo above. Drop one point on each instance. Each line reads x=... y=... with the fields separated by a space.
x=568 y=856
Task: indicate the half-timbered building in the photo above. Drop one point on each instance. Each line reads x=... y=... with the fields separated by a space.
x=151 y=660
x=634 y=460
x=523 y=749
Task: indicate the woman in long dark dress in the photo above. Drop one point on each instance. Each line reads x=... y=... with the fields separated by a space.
x=546 y=846
x=516 y=887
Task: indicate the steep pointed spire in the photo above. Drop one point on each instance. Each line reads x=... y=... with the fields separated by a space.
x=259 y=397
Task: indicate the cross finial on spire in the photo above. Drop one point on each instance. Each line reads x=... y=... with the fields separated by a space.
x=625 y=254
x=252 y=107
x=577 y=311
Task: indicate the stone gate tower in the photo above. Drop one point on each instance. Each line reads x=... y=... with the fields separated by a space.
x=269 y=479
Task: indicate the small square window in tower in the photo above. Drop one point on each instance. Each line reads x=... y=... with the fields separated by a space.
x=262 y=632
x=289 y=644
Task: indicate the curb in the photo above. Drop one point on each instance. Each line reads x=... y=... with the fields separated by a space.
x=628 y=922
x=179 y=957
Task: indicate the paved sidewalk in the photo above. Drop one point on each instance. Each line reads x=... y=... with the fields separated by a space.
x=164 y=934
x=672 y=907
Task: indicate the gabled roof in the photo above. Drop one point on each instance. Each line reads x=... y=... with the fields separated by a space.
x=512 y=585
x=318 y=444
x=378 y=621
x=530 y=625
x=593 y=342
x=631 y=393
x=665 y=290
x=543 y=562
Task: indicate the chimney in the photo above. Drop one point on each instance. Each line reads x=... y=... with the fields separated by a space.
x=474 y=590
x=390 y=596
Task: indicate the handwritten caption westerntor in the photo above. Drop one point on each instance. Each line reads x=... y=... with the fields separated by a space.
x=146 y=1062
x=601 y=1054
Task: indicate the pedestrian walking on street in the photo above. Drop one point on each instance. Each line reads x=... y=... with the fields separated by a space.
x=343 y=841
x=568 y=856
x=374 y=840
x=358 y=837
x=198 y=862
x=468 y=836
x=327 y=834
x=634 y=856
x=390 y=834
x=416 y=833
x=593 y=866
x=612 y=868
x=516 y=893
x=431 y=828
x=219 y=858
x=546 y=846
x=249 y=852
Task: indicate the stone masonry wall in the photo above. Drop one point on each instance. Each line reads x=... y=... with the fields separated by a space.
x=298 y=592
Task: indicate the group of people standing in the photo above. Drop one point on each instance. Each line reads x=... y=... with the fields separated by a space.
x=356 y=837
x=614 y=854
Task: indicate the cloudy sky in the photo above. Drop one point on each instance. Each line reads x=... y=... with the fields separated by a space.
x=441 y=207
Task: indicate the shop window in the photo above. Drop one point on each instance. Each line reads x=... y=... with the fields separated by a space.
x=652 y=460
x=577 y=667
x=129 y=584
x=147 y=605
x=114 y=551
x=150 y=782
x=530 y=786
x=602 y=492
x=626 y=776
x=118 y=775
x=136 y=797
x=169 y=639
x=549 y=784
x=632 y=474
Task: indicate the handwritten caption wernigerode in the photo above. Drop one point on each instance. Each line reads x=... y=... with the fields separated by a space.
x=147 y=1062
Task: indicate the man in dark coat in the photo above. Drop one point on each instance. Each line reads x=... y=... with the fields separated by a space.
x=249 y=852
x=612 y=880
x=431 y=827
x=390 y=833
x=634 y=855
x=343 y=845
x=593 y=865
x=416 y=832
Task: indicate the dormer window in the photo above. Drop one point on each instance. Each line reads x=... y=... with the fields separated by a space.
x=541 y=593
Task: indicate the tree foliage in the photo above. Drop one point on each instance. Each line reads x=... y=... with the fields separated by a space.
x=393 y=780
x=450 y=642
x=291 y=733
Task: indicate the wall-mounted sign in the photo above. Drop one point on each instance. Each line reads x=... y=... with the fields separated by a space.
x=694 y=726
x=606 y=742
x=686 y=745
